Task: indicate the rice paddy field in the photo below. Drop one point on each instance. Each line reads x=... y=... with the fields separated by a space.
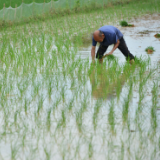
x=55 y=104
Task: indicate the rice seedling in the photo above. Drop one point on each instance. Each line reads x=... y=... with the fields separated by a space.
x=96 y=112
x=125 y=24
x=157 y=35
x=154 y=106
x=111 y=117
x=111 y=57
x=149 y=50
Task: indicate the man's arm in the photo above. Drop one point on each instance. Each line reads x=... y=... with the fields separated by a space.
x=93 y=53
x=113 y=49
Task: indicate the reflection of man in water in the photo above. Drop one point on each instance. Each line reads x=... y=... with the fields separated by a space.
x=103 y=85
x=108 y=35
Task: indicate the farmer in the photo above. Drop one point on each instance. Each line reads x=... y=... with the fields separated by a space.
x=108 y=35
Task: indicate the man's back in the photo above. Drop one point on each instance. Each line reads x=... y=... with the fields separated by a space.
x=112 y=34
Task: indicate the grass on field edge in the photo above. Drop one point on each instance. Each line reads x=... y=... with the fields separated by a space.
x=54 y=13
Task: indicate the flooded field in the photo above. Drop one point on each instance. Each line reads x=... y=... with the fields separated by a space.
x=55 y=104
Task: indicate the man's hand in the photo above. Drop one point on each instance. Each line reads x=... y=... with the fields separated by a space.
x=113 y=49
x=107 y=54
x=110 y=53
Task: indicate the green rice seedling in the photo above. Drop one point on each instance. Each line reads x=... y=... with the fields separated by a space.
x=48 y=122
x=36 y=88
x=149 y=50
x=111 y=57
x=26 y=105
x=123 y=23
x=79 y=120
x=50 y=88
x=125 y=110
x=15 y=117
x=23 y=140
x=157 y=35
x=63 y=93
x=111 y=117
x=14 y=151
x=70 y=104
x=90 y=149
x=47 y=154
x=130 y=89
x=63 y=118
x=96 y=112
x=40 y=103
x=122 y=150
x=154 y=106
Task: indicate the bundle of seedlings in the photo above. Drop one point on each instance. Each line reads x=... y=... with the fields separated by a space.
x=125 y=24
x=149 y=50
x=110 y=57
x=157 y=35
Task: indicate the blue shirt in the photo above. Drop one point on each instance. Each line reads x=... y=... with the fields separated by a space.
x=112 y=34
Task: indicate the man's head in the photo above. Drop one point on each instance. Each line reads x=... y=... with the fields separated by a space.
x=98 y=36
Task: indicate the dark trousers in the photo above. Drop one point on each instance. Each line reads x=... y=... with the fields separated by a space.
x=122 y=47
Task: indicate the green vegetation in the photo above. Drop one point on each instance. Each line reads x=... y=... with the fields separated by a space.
x=111 y=57
x=149 y=49
x=157 y=35
x=125 y=24
x=53 y=103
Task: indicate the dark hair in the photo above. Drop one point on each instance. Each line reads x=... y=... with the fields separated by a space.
x=100 y=33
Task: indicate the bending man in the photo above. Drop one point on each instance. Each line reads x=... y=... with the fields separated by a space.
x=108 y=35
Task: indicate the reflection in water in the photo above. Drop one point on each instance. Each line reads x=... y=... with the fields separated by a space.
x=105 y=84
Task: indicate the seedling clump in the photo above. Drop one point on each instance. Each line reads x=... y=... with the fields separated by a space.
x=149 y=50
x=125 y=24
x=157 y=35
x=111 y=57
